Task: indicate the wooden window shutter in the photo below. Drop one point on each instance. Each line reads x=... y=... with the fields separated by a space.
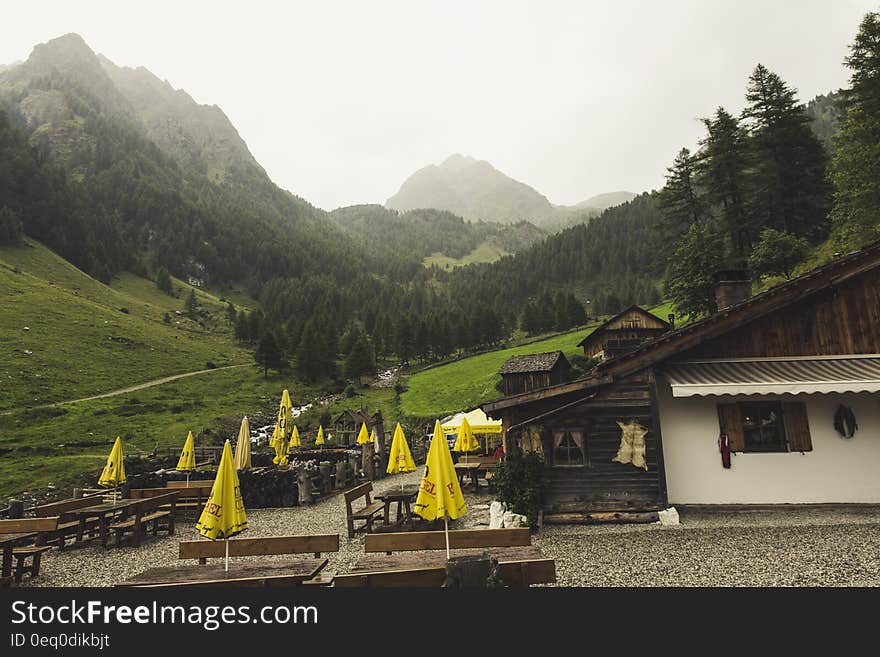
x=731 y=423
x=797 y=428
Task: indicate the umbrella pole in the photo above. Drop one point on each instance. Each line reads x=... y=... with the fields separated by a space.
x=226 y=540
x=187 y=479
x=446 y=531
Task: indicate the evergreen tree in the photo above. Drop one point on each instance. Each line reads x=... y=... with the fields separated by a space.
x=681 y=205
x=422 y=343
x=690 y=283
x=789 y=189
x=242 y=327
x=230 y=313
x=311 y=363
x=855 y=167
x=268 y=354
x=722 y=172
x=163 y=280
x=191 y=304
x=11 y=228
x=360 y=360
x=777 y=254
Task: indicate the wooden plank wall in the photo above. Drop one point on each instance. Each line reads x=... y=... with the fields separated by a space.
x=842 y=320
x=604 y=484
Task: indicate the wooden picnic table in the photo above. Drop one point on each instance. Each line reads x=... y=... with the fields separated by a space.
x=254 y=573
x=104 y=512
x=472 y=468
x=518 y=566
x=403 y=496
x=8 y=542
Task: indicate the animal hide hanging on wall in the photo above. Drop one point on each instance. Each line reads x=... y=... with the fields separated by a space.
x=724 y=448
x=845 y=421
x=632 y=444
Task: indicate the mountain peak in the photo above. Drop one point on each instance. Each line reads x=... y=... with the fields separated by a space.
x=67 y=49
x=457 y=161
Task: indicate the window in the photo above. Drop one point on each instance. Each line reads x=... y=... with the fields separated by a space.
x=773 y=426
x=568 y=448
x=763 y=427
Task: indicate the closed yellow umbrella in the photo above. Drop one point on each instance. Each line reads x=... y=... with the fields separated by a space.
x=363 y=435
x=113 y=473
x=466 y=441
x=320 y=439
x=187 y=461
x=294 y=439
x=399 y=457
x=243 y=446
x=283 y=424
x=439 y=493
x=224 y=515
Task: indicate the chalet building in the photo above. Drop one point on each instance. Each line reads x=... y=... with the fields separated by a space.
x=773 y=399
x=622 y=333
x=533 y=371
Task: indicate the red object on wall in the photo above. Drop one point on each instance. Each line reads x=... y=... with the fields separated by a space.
x=724 y=448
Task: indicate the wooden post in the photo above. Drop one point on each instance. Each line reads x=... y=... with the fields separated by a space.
x=77 y=493
x=353 y=464
x=324 y=469
x=16 y=509
x=304 y=485
x=379 y=426
x=471 y=571
x=367 y=461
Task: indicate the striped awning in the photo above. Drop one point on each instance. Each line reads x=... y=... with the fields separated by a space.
x=775 y=376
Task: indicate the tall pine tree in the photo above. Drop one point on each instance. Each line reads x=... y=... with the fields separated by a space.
x=855 y=168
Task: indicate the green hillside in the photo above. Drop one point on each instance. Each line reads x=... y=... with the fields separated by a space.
x=65 y=335
x=461 y=385
x=485 y=252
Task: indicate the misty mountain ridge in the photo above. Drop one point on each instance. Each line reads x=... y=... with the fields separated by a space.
x=477 y=191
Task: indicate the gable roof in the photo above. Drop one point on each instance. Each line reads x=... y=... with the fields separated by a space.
x=669 y=344
x=354 y=416
x=532 y=363
x=604 y=325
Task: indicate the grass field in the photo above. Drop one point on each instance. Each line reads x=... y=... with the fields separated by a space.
x=485 y=252
x=65 y=335
x=465 y=383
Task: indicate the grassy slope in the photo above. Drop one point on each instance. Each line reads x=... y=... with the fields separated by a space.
x=485 y=252
x=82 y=343
x=50 y=448
x=465 y=383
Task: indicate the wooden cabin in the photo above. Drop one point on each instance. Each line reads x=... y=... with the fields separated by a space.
x=622 y=333
x=347 y=424
x=772 y=400
x=533 y=371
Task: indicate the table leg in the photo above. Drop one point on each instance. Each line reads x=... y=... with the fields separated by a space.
x=475 y=480
x=399 y=511
x=7 y=560
x=80 y=529
x=102 y=524
x=409 y=518
x=387 y=511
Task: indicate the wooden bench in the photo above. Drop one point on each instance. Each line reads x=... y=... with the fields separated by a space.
x=66 y=524
x=265 y=546
x=366 y=513
x=192 y=497
x=458 y=539
x=21 y=554
x=144 y=514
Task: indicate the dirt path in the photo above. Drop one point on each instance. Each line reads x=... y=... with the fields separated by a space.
x=139 y=386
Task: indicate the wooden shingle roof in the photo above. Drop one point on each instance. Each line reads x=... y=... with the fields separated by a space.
x=531 y=363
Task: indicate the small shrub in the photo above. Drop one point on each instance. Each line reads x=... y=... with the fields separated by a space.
x=350 y=391
x=519 y=482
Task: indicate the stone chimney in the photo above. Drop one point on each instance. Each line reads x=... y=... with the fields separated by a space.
x=731 y=287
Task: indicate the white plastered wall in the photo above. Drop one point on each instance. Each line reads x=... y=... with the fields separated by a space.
x=837 y=470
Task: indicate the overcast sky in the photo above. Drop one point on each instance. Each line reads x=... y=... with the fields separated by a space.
x=341 y=101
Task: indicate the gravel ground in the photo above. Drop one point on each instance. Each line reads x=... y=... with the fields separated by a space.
x=785 y=547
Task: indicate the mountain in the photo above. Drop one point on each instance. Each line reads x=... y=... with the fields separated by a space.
x=472 y=189
x=602 y=202
x=158 y=179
